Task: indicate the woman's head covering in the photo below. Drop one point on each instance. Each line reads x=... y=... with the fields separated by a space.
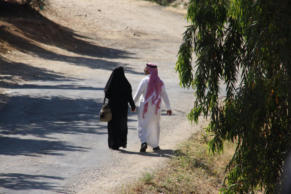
x=154 y=88
x=117 y=83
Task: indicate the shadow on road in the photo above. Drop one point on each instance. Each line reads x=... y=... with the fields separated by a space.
x=25 y=115
x=32 y=147
x=166 y=153
x=29 y=47
x=38 y=28
x=16 y=181
x=10 y=71
x=25 y=30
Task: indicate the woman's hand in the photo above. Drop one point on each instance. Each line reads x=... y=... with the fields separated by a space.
x=169 y=112
x=133 y=109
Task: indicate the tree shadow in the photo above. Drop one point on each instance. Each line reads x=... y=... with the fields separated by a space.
x=17 y=181
x=30 y=147
x=53 y=87
x=29 y=47
x=195 y=163
x=25 y=115
x=163 y=2
x=10 y=70
x=166 y=153
x=26 y=28
x=39 y=28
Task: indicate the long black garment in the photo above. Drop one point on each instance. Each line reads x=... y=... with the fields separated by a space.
x=118 y=91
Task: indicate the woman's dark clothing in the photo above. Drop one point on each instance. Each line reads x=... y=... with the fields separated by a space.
x=118 y=91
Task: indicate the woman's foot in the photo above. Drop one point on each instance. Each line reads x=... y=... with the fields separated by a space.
x=143 y=147
x=114 y=147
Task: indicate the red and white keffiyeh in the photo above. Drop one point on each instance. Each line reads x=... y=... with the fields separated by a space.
x=154 y=88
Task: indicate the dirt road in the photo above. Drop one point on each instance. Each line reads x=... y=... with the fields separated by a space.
x=50 y=138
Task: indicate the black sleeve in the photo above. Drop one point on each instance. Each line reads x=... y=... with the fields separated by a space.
x=131 y=102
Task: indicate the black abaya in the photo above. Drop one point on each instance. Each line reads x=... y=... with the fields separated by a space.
x=118 y=91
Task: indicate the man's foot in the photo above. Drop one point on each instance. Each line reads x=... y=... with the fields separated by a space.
x=143 y=147
x=156 y=149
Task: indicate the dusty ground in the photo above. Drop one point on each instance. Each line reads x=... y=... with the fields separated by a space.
x=53 y=73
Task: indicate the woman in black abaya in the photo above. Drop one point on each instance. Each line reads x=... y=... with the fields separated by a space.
x=118 y=91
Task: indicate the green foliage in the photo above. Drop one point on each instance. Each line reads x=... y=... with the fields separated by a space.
x=148 y=177
x=245 y=45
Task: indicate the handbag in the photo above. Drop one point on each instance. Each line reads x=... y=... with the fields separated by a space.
x=105 y=112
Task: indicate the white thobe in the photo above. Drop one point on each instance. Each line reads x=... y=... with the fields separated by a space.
x=149 y=125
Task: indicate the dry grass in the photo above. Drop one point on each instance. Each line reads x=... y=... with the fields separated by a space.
x=192 y=170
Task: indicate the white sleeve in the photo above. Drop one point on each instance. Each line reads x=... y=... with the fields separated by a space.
x=165 y=97
x=139 y=91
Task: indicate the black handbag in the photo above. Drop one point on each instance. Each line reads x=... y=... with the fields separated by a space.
x=105 y=112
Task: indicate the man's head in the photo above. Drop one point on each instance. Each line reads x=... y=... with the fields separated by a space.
x=147 y=68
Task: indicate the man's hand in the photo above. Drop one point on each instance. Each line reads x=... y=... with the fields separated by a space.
x=169 y=112
x=132 y=109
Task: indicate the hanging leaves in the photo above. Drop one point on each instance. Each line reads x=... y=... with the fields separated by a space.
x=243 y=45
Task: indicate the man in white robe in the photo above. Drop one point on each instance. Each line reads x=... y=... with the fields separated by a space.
x=150 y=92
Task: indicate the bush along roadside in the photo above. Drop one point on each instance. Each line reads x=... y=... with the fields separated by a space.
x=192 y=170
